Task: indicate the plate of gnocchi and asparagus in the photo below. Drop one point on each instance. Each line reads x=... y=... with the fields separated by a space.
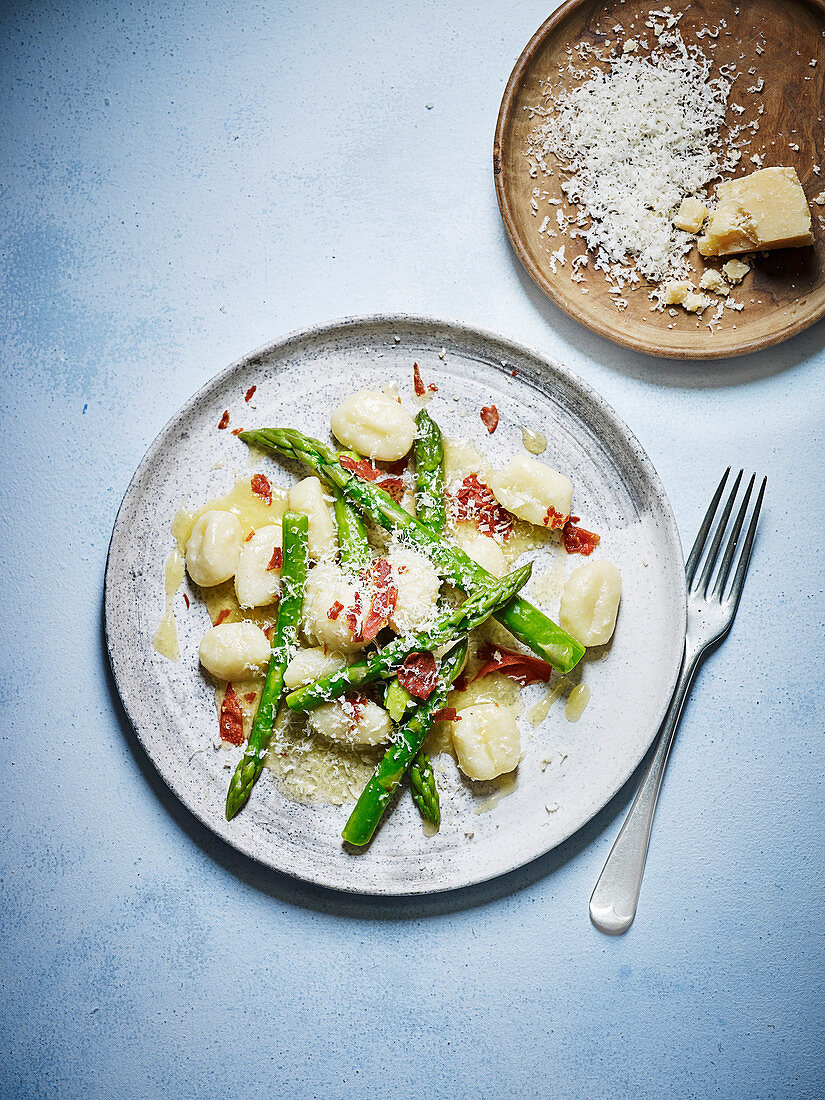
x=395 y=605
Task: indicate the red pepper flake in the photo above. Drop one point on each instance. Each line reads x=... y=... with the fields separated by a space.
x=514 y=372
x=353 y=617
x=224 y=420
x=222 y=616
x=578 y=541
x=249 y=536
x=367 y=472
x=186 y=601
x=250 y=393
x=489 y=416
x=477 y=504
x=418 y=385
x=231 y=720
x=554 y=520
x=269 y=631
x=250 y=696
x=237 y=431
x=419 y=675
x=335 y=610
x=277 y=559
x=447 y=714
x=384 y=600
x=433 y=388
x=261 y=488
x=521 y=667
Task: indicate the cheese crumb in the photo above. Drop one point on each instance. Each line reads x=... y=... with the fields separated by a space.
x=735 y=271
x=691 y=215
x=712 y=280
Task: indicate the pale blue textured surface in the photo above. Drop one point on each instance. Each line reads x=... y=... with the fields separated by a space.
x=182 y=183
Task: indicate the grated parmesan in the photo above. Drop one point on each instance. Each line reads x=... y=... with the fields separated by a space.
x=635 y=140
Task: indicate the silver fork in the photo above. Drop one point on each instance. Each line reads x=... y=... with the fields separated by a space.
x=710 y=612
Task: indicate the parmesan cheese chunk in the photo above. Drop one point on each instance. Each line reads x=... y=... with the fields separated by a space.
x=374 y=424
x=712 y=280
x=235 y=651
x=691 y=215
x=486 y=740
x=735 y=271
x=533 y=491
x=767 y=209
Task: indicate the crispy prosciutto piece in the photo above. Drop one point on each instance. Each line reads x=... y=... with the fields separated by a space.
x=353 y=617
x=489 y=417
x=259 y=484
x=335 y=610
x=521 y=667
x=385 y=597
x=578 y=541
x=231 y=720
x=447 y=714
x=367 y=472
x=554 y=520
x=419 y=675
x=476 y=503
x=418 y=385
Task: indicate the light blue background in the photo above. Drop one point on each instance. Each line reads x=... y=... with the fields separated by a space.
x=181 y=183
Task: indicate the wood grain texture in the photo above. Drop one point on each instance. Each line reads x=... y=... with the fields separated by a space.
x=785 y=291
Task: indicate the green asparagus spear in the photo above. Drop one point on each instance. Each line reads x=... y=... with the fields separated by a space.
x=378 y=793
x=353 y=546
x=284 y=641
x=397 y=700
x=424 y=789
x=385 y=662
x=429 y=474
x=527 y=623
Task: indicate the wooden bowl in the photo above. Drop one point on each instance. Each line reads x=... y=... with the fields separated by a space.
x=785 y=291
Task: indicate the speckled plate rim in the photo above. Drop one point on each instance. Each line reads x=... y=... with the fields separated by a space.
x=546 y=369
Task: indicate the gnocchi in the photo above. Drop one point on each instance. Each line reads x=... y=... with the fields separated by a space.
x=484 y=550
x=418 y=585
x=311 y=664
x=330 y=599
x=213 y=548
x=374 y=424
x=235 y=651
x=308 y=497
x=356 y=723
x=533 y=491
x=590 y=602
x=258 y=573
x=486 y=740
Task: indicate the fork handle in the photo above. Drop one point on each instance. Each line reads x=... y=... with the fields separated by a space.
x=616 y=895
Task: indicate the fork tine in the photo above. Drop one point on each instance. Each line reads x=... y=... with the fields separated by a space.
x=699 y=544
x=738 y=582
x=718 y=535
x=733 y=540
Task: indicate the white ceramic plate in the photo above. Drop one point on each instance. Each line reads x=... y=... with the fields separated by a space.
x=617 y=493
